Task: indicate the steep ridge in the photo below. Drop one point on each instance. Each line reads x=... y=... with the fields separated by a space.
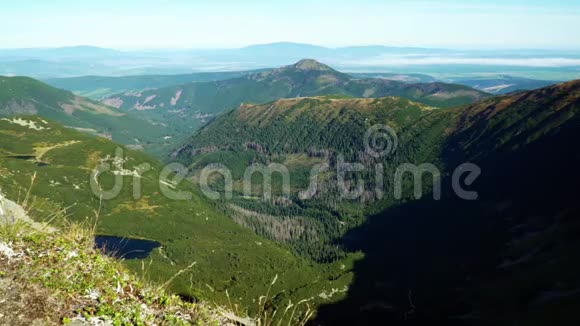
x=508 y=122
x=301 y=124
x=452 y=250
x=518 y=239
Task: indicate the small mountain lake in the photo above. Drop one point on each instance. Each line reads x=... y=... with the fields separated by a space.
x=22 y=157
x=125 y=248
x=30 y=158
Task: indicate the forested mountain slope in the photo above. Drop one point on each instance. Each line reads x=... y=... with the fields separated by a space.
x=59 y=163
x=434 y=257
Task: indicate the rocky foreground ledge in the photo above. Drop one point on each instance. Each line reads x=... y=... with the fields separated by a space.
x=55 y=277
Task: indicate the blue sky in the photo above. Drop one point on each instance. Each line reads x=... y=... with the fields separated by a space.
x=133 y=24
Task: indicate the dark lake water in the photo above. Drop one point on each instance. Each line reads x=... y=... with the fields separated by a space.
x=125 y=248
x=22 y=157
x=29 y=158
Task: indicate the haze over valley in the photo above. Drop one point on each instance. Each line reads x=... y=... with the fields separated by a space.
x=289 y=163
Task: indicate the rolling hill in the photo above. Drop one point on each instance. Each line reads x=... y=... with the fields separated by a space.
x=412 y=78
x=97 y=87
x=27 y=96
x=450 y=257
x=497 y=84
x=504 y=84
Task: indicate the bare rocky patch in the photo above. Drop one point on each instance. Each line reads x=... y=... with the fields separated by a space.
x=81 y=104
x=115 y=102
x=176 y=98
x=19 y=108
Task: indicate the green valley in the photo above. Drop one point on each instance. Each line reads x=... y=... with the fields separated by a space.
x=229 y=259
x=319 y=244
x=289 y=163
x=500 y=135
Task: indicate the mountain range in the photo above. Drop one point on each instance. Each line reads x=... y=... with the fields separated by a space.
x=444 y=64
x=374 y=258
x=98 y=87
x=304 y=78
x=494 y=240
x=159 y=120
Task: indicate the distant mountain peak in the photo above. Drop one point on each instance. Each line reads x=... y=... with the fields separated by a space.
x=310 y=64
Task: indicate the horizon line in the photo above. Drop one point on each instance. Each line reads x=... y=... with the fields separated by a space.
x=210 y=48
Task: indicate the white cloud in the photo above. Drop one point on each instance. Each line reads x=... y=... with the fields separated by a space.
x=439 y=60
